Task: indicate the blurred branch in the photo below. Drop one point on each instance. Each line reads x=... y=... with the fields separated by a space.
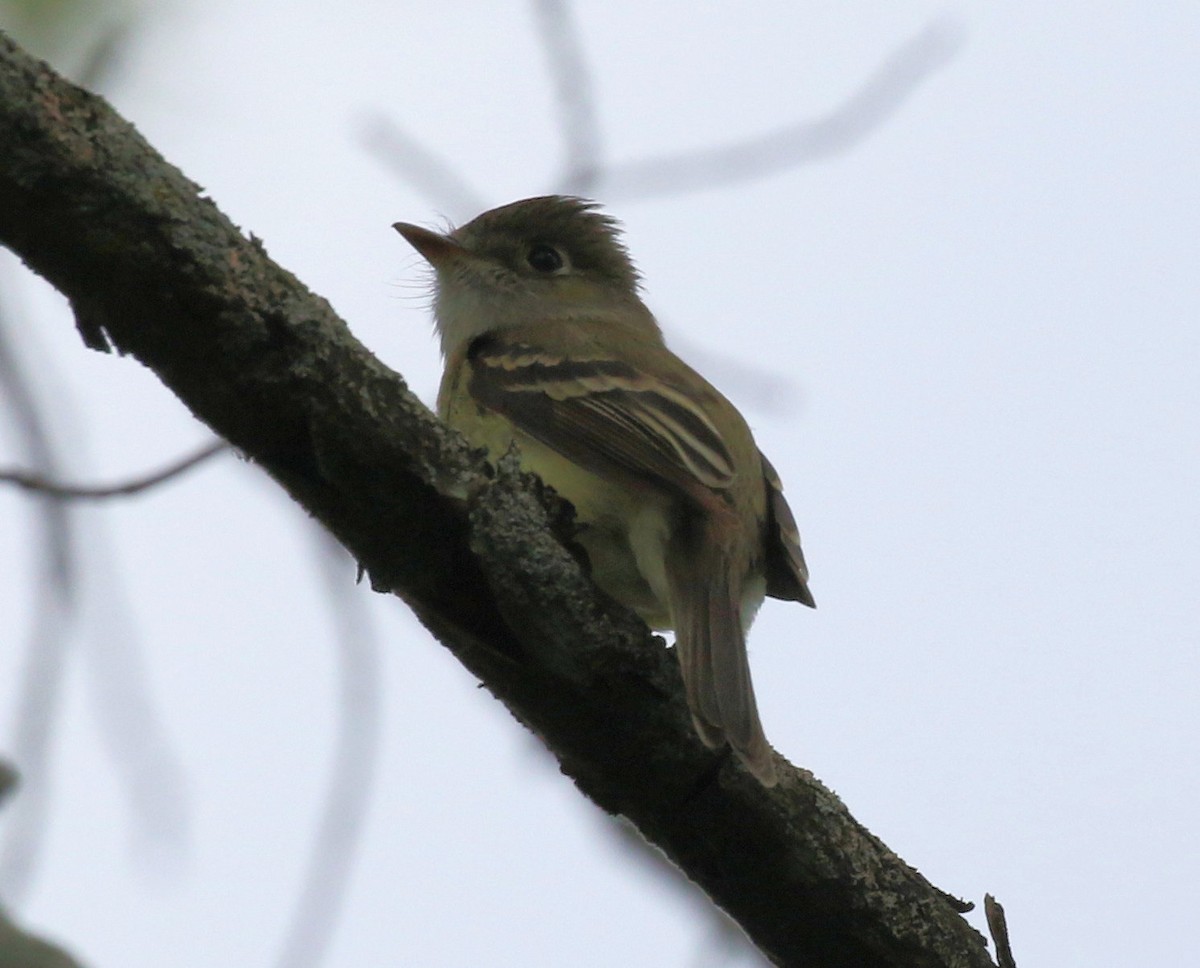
x=577 y=120
x=102 y=61
x=795 y=144
x=45 y=652
x=163 y=276
x=40 y=484
x=791 y=146
x=399 y=150
x=18 y=949
x=586 y=173
x=91 y=40
x=128 y=724
x=126 y=717
x=355 y=756
x=128 y=721
x=755 y=387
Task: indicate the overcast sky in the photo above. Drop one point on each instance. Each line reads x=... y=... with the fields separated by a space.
x=970 y=343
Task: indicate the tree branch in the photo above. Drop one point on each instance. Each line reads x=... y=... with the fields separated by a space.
x=154 y=270
x=40 y=484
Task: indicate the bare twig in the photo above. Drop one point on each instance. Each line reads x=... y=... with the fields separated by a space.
x=998 y=926
x=45 y=656
x=127 y=722
x=106 y=55
x=40 y=484
x=754 y=387
x=355 y=755
x=788 y=147
x=126 y=713
x=577 y=120
x=586 y=173
x=796 y=144
x=420 y=167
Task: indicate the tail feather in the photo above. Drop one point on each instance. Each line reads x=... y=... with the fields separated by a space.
x=693 y=646
x=705 y=600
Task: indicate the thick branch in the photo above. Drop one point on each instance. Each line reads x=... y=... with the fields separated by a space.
x=154 y=270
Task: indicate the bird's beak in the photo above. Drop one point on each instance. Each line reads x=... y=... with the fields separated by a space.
x=437 y=249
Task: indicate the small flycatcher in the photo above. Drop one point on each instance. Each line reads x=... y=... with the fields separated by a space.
x=548 y=344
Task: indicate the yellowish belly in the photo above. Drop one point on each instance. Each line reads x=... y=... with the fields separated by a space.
x=622 y=530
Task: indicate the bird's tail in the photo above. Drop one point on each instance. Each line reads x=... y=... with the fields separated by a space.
x=706 y=605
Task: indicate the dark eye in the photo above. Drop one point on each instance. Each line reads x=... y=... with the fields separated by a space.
x=545 y=258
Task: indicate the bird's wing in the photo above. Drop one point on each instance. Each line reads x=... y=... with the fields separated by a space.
x=787 y=572
x=602 y=412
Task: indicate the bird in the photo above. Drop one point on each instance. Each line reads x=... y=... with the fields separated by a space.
x=548 y=346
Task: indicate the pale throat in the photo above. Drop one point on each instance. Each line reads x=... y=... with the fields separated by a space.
x=465 y=308
x=464 y=311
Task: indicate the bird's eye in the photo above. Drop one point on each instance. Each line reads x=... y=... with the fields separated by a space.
x=545 y=258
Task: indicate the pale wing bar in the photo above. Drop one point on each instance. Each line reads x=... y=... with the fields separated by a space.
x=643 y=425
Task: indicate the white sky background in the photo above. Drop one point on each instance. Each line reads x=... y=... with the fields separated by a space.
x=989 y=318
